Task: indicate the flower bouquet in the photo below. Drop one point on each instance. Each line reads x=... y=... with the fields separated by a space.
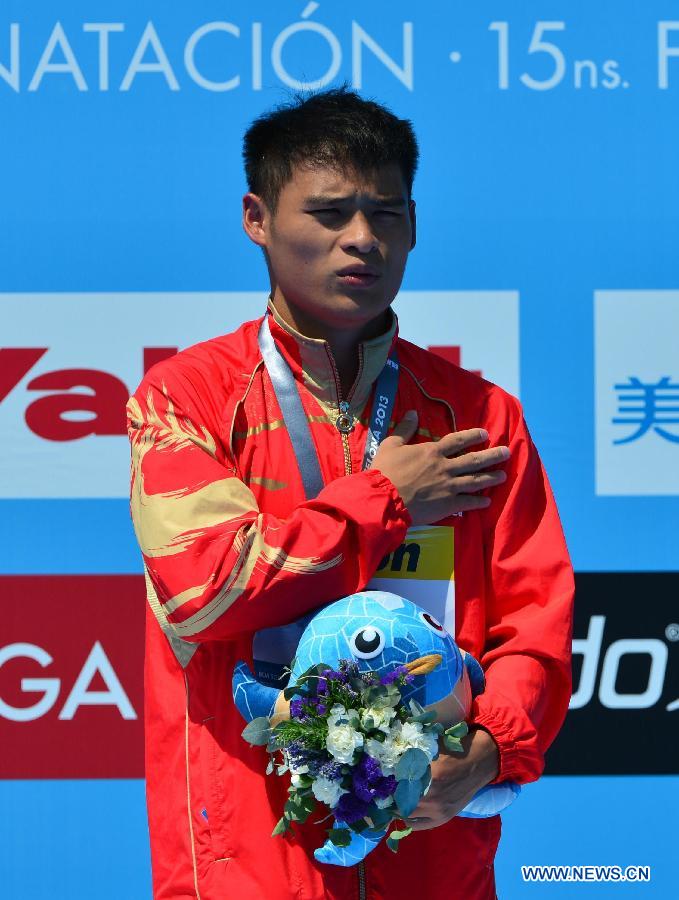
x=376 y=682
x=356 y=750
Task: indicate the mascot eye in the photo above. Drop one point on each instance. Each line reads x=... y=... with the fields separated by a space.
x=433 y=624
x=367 y=642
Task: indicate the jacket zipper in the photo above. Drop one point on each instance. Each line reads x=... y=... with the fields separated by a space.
x=362 y=894
x=344 y=423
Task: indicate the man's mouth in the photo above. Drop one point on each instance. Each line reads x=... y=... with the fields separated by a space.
x=358 y=276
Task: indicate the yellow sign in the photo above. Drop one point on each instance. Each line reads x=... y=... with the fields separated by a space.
x=422 y=570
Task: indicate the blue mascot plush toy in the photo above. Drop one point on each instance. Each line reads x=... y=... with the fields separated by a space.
x=381 y=631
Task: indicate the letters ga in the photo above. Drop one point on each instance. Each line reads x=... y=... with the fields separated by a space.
x=97 y=662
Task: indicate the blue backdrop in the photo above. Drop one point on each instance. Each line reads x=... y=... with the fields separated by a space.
x=549 y=134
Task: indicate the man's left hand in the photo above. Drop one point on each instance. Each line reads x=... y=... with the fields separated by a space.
x=456 y=777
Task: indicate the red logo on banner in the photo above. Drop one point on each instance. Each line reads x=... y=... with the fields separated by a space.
x=104 y=397
x=452 y=353
x=71 y=676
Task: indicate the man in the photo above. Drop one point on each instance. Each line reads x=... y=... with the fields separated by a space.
x=241 y=533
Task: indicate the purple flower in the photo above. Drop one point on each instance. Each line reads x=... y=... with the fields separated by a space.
x=296 y=708
x=392 y=676
x=299 y=756
x=321 y=709
x=385 y=787
x=400 y=673
x=348 y=667
x=350 y=809
x=331 y=769
x=322 y=687
x=369 y=783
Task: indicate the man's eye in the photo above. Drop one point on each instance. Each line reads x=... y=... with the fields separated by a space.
x=388 y=212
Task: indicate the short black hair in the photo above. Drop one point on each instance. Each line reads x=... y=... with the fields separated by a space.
x=335 y=128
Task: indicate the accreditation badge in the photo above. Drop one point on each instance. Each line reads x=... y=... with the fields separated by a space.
x=422 y=570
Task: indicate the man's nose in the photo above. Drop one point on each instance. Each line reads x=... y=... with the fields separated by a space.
x=359 y=235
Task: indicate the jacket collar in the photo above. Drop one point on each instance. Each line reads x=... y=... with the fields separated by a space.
x=312 y=362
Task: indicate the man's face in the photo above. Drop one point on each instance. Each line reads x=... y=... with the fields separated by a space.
x=338 y=242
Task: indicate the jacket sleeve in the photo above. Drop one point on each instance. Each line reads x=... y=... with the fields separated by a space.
x=529 y=612
x=219 y=566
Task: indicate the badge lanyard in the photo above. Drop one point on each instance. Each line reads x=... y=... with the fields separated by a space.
x=295 y=419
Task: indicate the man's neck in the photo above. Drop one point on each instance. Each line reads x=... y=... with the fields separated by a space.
x=343 y=341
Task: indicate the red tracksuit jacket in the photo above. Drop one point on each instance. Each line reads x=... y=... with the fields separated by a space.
x=230 y=547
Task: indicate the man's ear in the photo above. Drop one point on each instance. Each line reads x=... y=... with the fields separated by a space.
x=413 y=224
x=255 y=219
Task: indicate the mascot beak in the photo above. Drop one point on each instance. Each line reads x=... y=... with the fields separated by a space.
x=423 y=665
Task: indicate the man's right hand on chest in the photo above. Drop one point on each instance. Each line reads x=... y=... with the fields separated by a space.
x=438 y=479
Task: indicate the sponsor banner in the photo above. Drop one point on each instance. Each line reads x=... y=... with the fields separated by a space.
x=637 y=392
x=63 y=390
x=624 y=712
x=71 y=676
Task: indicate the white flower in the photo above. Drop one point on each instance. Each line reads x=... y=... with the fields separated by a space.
x=401 y=738
x=412 y=735
x=295 y=780
x=387 y=753
x=327 y=791
x=381 y=717
x=343 y=741
x=338 y=712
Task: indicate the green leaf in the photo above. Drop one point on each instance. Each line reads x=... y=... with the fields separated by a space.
x=379 y=817
x=395 y=837
x=412 y=765
x=372 y=694
x=424 y=718
x=407 y=795
x=459 y=730
x=270 y=767
x=307 y=802
x=425 y=781
x=258 y=731
x=282 y=826
x=354 y=720
x=382 y=695
x=416 y=708
x=292 y=691
x=294 y=811
x=340 y=837
x=453 y=744
x=452 y=735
